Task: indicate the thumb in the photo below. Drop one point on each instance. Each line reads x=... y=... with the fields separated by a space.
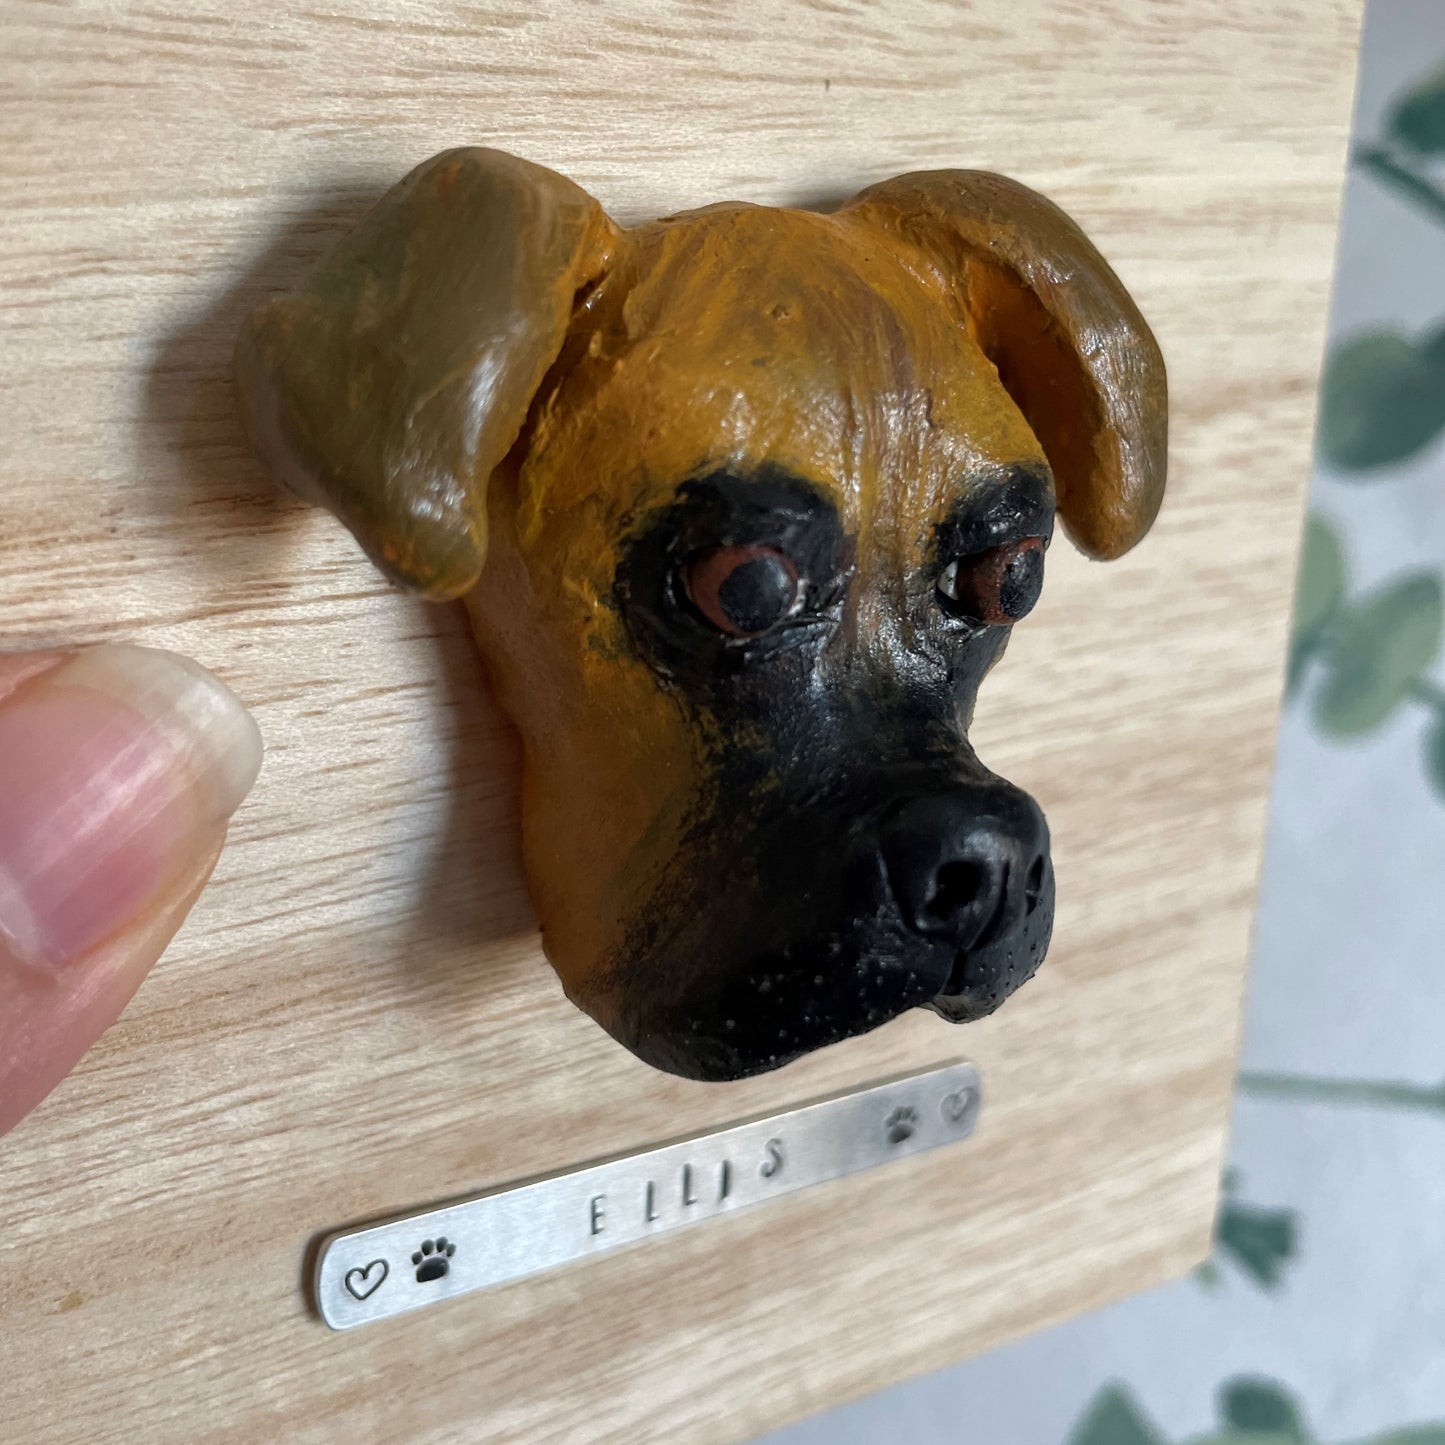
x=119 y=770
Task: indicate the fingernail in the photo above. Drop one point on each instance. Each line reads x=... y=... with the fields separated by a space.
x=117 y=769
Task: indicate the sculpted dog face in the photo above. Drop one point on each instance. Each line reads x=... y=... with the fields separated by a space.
x=743 y=504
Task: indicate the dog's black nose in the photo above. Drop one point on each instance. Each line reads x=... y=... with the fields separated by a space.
x=969 y=868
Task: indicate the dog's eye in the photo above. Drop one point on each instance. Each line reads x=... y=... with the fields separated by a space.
x=996 y=587
x=743 y=591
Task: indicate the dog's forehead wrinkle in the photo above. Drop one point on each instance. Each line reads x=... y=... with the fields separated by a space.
x=870 y=385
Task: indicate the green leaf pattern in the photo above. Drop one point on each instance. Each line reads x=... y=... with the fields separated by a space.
x=1377 y=655
x=1418 y=120
x=1373 y=654
x=1382 y=397
x=1251 y=1412
x=1382 y=400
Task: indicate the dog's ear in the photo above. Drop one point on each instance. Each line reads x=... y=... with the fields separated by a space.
x=390 y=388
x=1070 y=346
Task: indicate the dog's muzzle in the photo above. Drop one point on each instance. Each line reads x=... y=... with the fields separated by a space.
x=943 y=898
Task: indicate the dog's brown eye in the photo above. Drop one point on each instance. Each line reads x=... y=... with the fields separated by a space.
x=996 y=587
x=743 y=591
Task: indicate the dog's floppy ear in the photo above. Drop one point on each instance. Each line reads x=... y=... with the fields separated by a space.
x=1070 y=346
x=390 y=388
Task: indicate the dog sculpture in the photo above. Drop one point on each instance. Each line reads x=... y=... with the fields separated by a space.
x=743 y=504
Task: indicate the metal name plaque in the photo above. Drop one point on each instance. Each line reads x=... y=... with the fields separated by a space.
x=418 y=1259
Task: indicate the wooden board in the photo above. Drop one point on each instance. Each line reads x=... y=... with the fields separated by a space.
x=357 y=1018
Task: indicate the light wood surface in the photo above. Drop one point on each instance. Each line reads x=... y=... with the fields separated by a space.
x=357 y=1018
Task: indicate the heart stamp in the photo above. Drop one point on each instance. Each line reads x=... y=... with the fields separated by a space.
x=363 y=1283
x=956 y=1107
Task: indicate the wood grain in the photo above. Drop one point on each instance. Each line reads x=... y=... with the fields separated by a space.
x=357 y=1018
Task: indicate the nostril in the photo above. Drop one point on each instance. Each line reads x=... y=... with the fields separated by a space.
x=956 y=885
x=1034 y=885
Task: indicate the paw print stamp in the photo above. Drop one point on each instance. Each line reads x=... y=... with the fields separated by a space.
x=433 y=1259
x=957 y=1108
x=901 y=1123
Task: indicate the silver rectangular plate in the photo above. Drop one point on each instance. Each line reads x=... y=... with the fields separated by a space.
x=520 y=1229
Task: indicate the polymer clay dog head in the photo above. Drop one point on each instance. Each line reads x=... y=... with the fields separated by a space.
x=743 y=504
